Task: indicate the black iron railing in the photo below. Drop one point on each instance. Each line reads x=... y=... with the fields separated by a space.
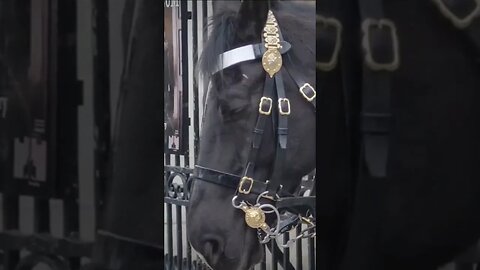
x=178 y=252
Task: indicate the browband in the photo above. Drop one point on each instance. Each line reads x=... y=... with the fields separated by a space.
x=246 y=53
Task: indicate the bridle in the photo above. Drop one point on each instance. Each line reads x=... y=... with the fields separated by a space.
x=290 y=210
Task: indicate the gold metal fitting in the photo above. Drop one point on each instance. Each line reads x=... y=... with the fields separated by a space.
x=260 y=106
x=280 y=108
x=272 y=58
x=255 y=217
x=244 y=180
x=302 y=91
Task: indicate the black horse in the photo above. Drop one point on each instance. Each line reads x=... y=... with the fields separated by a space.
x=423 y=212
x=215 y=228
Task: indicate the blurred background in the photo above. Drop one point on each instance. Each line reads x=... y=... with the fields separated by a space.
x=81 y=105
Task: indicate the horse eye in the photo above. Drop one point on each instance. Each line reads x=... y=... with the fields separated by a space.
x=232 y=113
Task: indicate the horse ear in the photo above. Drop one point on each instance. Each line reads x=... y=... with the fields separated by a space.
x=251 y=19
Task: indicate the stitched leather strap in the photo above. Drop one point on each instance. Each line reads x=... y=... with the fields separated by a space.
x=309 y=92
x=380 y=47
x=227 y=180
x=328 y=35
x=266 y=104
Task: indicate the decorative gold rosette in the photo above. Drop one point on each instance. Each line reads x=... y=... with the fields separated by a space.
x=254 y=217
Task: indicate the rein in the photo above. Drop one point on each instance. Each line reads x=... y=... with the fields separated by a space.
x=261 y=198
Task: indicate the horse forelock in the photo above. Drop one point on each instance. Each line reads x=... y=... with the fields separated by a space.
x=222 y=38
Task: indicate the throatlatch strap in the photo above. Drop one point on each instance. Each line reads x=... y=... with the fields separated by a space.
x=469 y=23
x=381 y=56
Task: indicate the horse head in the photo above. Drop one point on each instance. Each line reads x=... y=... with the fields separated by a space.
x=243 y=51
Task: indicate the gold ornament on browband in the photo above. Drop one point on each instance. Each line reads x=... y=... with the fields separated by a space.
x=272 y=58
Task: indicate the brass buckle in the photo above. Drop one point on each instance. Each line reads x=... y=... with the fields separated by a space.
x=280 y=108
x=260 y=109
x=302 y=91
x=242 y=182
x=367 y=46
x=332 y=63
x=460 y=23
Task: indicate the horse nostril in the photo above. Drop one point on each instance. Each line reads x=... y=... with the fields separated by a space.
x=212 y=249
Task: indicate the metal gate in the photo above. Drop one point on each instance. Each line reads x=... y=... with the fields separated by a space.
x=45 y=217
x=188 y=19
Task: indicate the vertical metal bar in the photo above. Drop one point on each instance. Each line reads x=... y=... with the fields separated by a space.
x=184 y=47
x=101 y=101
x=189 y=248
x=274 y=256
x=11 y=222
x=195 y=85
x=311 y=253
x=187 y=241
x=42 y=216
x=298 y=246
x=263 y=264
x=286 y=251
x=67 y=169
x=169 y=236
x=178 y=209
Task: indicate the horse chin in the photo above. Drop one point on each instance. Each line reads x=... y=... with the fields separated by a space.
x=245 y=262
x=251 y=254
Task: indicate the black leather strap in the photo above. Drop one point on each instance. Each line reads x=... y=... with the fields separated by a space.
x=282 y=128
x=299 y=205
x=328 y=35
x=281 y=122
x=282 y=133
x=244 y=53
x=287 y=201
x=227 y=180
x=259 y=48
x=380 y=47
x=282 y=125
x=259 y=130
x=300 y=82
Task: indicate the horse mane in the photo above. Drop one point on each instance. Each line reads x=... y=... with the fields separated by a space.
x=220 y=40
x=224 y=24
